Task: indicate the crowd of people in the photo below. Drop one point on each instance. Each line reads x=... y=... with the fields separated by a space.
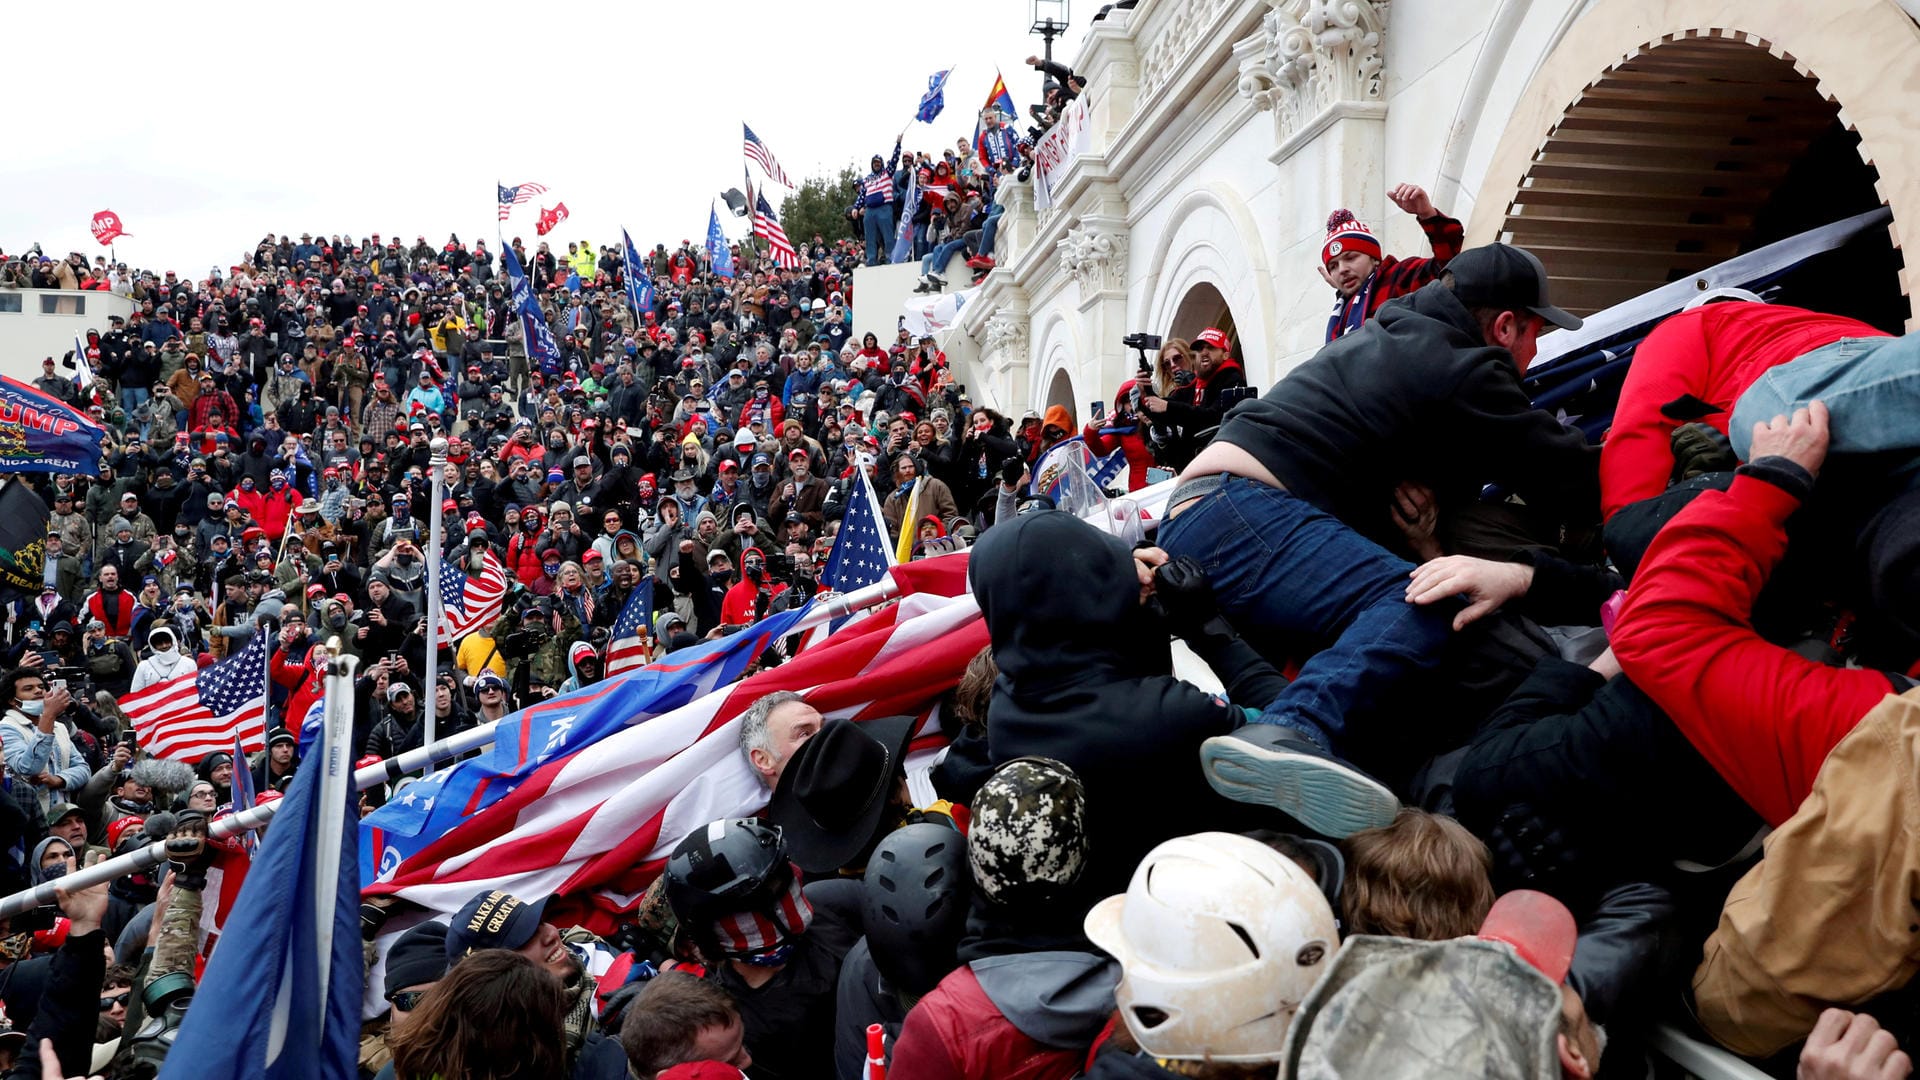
x=1519 y=746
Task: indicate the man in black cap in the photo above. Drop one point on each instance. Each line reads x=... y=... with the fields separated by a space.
x=273 y=770
x=845 y=789
x=1287 y=511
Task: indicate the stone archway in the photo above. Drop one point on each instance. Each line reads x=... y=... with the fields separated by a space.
x=1060 y=392
x=1615 y=53
x=1692 y=151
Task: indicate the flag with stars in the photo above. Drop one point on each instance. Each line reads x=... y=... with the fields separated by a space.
x=511 y=197
x=557 y=727
x=861 y=554
x=631 y=631
x=934 y=99
x=469 y=602
x=187 y=718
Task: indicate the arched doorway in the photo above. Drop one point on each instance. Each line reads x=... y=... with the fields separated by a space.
x=1201 y=307
x=1060 y=392
x=1696 y=148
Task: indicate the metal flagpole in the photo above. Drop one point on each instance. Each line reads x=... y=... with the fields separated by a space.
x=437 y=462
x=380 y=772
x=331 y=814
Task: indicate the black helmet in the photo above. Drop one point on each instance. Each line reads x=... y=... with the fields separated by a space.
x=736 y=867
x=915 y=904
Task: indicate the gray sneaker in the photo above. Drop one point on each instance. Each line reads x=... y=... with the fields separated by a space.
x=1272 y=765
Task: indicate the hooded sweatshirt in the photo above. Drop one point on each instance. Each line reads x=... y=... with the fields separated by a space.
x=1086 y=679
x=162 y=666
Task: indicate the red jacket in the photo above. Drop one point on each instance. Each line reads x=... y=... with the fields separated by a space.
x=118 y=616
x=1713 y=353
x=1139 y=456
x=1763 y=716
x=304 y=685
x=956 y=1033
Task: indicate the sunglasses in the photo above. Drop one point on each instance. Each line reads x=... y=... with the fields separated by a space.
x=117 y=999
x=406 y=1000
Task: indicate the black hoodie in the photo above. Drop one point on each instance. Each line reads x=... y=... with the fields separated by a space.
x=1086 y=679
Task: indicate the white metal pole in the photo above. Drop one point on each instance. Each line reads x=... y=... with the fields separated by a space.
x=437 y=463
x=331 y=815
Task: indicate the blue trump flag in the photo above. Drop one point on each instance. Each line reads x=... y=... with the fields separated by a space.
x=717 y=249
x=903 y=230
x=41 y=434
x=934 y=99
x=541 y=348
x=525 y=740
x=639 y=284
x=280 y=999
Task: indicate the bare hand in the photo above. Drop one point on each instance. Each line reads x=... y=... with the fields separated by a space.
x=399 y=665
x=86 y=907
x=1145 y=561
x=1326 y=277
x=1415 y=513
x=50 y=1063
x=1606 y=665
x=1852 y=1046
x=1801 y=440
x=122 y=757
x=378 y=616
x=1154 y=405
x=1485 y=584
x=1413 y=199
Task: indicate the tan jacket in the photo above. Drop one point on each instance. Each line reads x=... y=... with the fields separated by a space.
x=1829 y=917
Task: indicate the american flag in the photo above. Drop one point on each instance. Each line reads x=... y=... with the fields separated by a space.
x=861 y=554
x=594 y=827
x=758 y=153
x=767 y=226
x=631 y=631
x=469 y=603
x=201 y=713
x=511 y=197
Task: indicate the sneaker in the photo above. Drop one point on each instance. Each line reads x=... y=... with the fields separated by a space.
x=922 y=286
x=1275 y=766
x=936 y=283
x=981 y=262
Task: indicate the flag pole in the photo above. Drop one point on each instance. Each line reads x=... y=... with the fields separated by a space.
x=437 y=462
x=386 y=771
x=330 y=817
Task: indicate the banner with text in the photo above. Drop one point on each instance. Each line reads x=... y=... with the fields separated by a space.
x=1063 y=142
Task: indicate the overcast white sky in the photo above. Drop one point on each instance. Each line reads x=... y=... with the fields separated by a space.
x=207 y=124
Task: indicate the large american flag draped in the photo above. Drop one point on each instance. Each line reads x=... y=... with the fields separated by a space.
x=594 y=827
x=511 y=197
x=766 y=226
x=202 y=712
x=861 y=554
x=632 y=631
x=469 y=603
x=758 y=153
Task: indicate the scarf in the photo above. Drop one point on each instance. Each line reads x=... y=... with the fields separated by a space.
x=1350 y=314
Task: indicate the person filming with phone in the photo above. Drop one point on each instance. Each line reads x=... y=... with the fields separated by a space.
x=36 y=736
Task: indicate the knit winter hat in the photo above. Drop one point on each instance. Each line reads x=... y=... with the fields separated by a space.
x=1345 y=233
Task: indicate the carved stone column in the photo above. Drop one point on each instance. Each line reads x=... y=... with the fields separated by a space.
x=1314 y=64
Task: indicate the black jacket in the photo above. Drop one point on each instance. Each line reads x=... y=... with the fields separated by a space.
x=1086 y=679
x=1414 y=395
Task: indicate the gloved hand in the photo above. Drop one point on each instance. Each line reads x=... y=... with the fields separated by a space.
x=1185 y=597
x=188 y=851
x=1011 y=469
x=1699 y=449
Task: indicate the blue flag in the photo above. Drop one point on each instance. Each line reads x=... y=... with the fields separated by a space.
x=639 y=284
x=243 y=792
x=541 y=348
x=431 y=807
x=286 y=982
x=41 y=434
x=903 y=230
x=717 y=249
x=934 y=99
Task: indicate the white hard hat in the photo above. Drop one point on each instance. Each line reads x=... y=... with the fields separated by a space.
x=1219 y=937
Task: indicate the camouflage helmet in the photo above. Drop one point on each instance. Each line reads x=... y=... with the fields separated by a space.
x=1028 y=841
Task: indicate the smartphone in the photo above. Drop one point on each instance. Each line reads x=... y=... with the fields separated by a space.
x=392 y=656
x=50 y=656
x=1099 y=411
x=57 y=684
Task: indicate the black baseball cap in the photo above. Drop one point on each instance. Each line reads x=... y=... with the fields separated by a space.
x=492 y=920
x=1506 y=277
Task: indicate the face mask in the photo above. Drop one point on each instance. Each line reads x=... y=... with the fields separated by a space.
x=32 y=708
x=279 y=485
x=762 y=479
x=337 y=620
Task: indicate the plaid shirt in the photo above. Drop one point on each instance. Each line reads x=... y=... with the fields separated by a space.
x=1398 y=277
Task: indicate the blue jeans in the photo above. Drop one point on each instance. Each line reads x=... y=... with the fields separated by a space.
x=936 y=262
x=988 y=229
x=878 y=223
x=1871 y=387
x=1281 y=566
x=131 y=398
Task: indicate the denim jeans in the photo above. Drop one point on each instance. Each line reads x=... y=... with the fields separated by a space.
x=878 y=223
x=1281 y=566
x=131 y=398
x=936 y=262
x=1871 y=387
x=988 y=229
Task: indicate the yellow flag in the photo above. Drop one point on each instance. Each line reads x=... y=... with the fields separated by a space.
x=909 y=525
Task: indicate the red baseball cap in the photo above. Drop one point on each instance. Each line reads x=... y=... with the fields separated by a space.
x=1215 y=338
x=1537 y=926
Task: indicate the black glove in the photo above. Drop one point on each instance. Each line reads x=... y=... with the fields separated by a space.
x=188 y=851
x=1699 y=449
x=1011 y=469
x=1185 y=597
